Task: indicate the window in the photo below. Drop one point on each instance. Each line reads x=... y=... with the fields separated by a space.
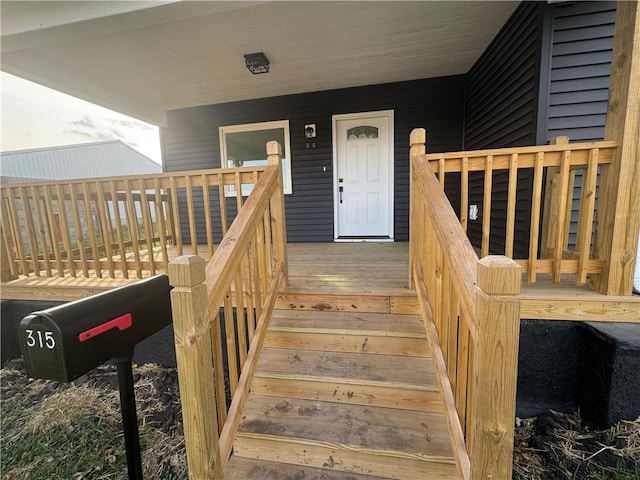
x=362 y=132
x=245 y=146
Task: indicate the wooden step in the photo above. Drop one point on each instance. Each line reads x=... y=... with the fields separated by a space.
x=353 y=367
x=342 y=395
x=251 y=469
x=354 y=378
x=348 y=332
x=401 y=302
x=378 y=441
x=357 y=358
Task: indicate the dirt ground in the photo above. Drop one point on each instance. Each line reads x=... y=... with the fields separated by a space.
x=551 y=446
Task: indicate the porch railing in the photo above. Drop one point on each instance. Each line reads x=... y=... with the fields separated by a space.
x=471 y=312
x=117 y=226
x=554 y=167
x=222 y=312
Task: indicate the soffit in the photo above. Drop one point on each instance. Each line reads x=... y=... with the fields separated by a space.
x=175 y=55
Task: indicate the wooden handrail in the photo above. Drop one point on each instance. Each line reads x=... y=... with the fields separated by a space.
x=471 y=313
x=549 y=249
x=111 y=226
x=454 y=426
x=526 y=156
x=221 y=269
x=236 y=293
x=457 y=249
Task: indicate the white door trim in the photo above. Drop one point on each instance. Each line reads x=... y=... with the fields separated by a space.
x=355 y=116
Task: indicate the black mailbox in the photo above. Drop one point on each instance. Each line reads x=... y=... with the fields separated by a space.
x=64 y=342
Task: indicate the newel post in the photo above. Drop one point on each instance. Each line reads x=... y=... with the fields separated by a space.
x=279 y=228
x=417 y=140
x=495 y=367
x=618 y=221
x=194 y=358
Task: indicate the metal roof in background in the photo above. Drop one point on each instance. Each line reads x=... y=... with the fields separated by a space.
x=87 y=160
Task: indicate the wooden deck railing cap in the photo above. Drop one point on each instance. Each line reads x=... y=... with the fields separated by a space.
x=274 y=148
x=184 y=271
x=418 y=136
x=499 y=275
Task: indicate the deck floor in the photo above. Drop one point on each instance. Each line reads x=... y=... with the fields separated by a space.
x=352 y=271
x=355 y=268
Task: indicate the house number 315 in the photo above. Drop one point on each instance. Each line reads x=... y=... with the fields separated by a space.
x=40 y=339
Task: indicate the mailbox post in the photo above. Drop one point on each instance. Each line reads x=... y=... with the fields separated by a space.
x=67 y=341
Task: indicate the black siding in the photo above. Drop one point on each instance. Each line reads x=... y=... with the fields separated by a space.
x=580 y=64
x=191 y=141
x=501 y=111
x=578 y=82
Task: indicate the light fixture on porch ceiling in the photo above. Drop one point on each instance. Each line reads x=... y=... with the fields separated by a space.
x=256 y=62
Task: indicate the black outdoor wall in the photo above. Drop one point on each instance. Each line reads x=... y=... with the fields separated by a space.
x=191 y=141
x=501 y=111
x=578 y=70
x=575 y=78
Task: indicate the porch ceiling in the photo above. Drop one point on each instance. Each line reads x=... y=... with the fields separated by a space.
x=144 y=58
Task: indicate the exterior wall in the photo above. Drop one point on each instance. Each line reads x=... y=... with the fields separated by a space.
x=545 y=74
x=578 y=70
x=501 y=111
x=501 y=86
x=191 y=141
x=576 y=78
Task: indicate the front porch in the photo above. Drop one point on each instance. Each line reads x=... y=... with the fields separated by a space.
x=358 y=277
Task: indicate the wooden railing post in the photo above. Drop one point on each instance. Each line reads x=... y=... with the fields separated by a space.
x=417 y=140
x=551 y=203
x=619 y=199
x=6 y=273
x=194 y=358
x=279 y=229
x=495 y=368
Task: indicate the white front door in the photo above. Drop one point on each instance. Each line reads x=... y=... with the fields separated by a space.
x=363 y=175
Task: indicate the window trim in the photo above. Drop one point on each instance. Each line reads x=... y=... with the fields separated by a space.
x=251 y=127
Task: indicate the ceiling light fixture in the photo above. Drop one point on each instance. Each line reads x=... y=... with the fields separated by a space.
x=257 y=63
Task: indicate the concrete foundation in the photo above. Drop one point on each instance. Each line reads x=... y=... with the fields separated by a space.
x=608 y=379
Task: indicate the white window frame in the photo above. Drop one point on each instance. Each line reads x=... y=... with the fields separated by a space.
x=250 y=127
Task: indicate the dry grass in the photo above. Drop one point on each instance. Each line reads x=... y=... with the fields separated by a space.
x=562 y=446
x=62 y=408
x=73 y=431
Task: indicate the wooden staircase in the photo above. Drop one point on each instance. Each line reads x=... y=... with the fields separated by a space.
x=341 y=395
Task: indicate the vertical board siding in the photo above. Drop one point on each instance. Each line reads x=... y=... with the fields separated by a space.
x=501 y=110
x=191 y=141
x=581 y=51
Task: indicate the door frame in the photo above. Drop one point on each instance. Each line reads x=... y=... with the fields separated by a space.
x=389 y=114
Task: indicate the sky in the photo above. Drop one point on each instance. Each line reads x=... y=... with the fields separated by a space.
x=34 y=116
